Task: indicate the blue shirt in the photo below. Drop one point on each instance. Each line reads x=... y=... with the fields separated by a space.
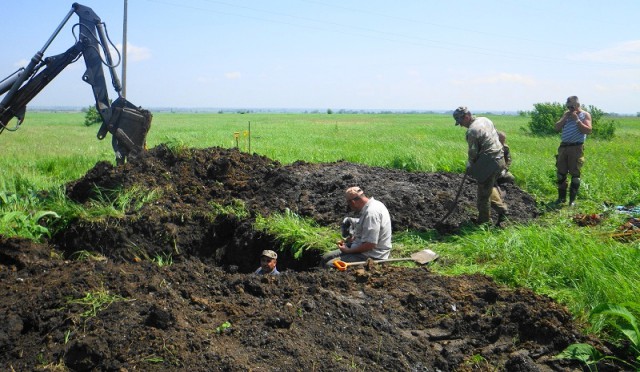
x=274 y=272
x=570 y=131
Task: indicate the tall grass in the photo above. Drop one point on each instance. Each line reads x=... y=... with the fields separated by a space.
x=564 y=262
x=579 y=266
x=297 y=233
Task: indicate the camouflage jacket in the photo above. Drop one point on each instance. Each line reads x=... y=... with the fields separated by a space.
x=482 y=138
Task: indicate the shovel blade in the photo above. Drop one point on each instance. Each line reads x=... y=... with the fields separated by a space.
x=424 y=256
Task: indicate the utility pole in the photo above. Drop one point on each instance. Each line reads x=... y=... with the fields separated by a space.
x=124 y=52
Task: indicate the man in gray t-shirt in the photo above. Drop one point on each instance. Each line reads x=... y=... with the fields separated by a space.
x=372 y=237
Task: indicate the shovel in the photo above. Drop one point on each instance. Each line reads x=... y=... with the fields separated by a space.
x=455 y=202
x=422 y=257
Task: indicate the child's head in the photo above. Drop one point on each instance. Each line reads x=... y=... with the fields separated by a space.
x=502 y=137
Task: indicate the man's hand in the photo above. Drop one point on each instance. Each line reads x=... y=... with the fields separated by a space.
x=563 y=120
x=342 y=246
x=572 y=115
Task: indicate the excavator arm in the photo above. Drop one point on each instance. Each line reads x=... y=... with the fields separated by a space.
x=127 y=123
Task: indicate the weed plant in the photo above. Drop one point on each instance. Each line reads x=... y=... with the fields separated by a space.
x=621 y=321
x=95 y=301
x=237 y=208
x=163 y=259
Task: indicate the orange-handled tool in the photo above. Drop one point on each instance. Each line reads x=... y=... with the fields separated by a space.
x=340 y=265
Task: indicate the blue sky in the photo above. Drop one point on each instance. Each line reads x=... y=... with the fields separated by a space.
x=492 y=55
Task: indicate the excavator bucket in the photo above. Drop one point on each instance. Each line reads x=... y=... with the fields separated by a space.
x=131 y=127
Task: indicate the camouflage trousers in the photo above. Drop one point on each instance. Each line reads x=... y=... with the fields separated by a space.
x=488 y=197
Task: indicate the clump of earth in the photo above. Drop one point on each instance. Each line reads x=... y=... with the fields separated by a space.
x=118 y=310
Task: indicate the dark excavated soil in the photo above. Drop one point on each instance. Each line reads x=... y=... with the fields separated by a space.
x=207 y=311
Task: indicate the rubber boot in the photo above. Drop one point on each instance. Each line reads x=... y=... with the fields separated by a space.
x=562 y=196
x=573 y=192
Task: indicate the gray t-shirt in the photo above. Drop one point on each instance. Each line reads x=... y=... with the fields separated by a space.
x=374 y=226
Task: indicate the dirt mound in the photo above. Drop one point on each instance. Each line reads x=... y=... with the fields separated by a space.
x=190 y=182
x=204 y=312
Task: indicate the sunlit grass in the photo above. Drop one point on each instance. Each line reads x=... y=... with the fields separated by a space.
x=297 y=233
x=565 y=262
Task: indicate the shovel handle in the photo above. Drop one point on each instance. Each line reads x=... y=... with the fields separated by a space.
x=342 y=266
x=455 y=201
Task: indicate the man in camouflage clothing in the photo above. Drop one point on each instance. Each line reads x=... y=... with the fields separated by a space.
x=505 y=176
x=485 y=163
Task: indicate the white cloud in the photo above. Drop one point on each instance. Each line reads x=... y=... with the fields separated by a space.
x=502 y=77
x=626 y=52
x=233 y=75
x=21 y=63
x=204 y=79
x=135 y=53
x=617 y=88
x=628 y=74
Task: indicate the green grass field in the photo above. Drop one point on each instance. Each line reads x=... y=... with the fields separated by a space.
x=579 y=266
